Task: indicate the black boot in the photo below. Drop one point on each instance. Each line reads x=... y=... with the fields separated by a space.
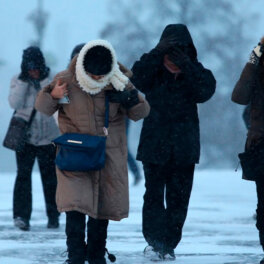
x=53 y=223
x=261 y=241
x=97 y=234
x=75 y=231
x=261 y=238
x=22 y=223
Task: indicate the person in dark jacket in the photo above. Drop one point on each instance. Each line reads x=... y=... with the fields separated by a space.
x=23 y=92
x=249 y=90
x=174 y=82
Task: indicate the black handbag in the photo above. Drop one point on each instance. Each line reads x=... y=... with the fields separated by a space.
x=252 y=162
x=17 y=133
x=82 y=152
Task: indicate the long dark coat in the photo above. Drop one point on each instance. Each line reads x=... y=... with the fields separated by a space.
x=172 y=128
x=250 y=90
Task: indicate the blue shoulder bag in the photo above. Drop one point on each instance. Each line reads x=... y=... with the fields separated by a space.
x=82 y=152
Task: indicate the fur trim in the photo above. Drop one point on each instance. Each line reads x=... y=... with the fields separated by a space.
x=115 y=76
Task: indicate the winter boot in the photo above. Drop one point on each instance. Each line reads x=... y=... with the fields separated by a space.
x=21 y=223
x=261 y=238
x=169 y=255
x=152 y=254
x=53 y=223
x=96 y=242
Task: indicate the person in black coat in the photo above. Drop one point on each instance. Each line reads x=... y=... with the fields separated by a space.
x=174 y=82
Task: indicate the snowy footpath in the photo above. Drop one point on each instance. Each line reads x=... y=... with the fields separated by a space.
x=219 y=229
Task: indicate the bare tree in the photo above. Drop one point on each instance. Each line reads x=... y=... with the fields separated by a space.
x=39 y=19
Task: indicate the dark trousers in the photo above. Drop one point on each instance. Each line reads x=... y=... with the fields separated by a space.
x=22 y=200
x=96 y=237
x=260 y=205
x=162 y=226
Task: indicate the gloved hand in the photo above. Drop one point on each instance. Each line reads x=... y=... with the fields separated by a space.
x=180 y=59
x=256 y=54
x=166 y=44
x=127 y=98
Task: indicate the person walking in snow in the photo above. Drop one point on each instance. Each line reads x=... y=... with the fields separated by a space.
x=130 y=159
x=249 y=90
x=132 y=164
x=23 y=92
x=93 y=77
x=174 y=82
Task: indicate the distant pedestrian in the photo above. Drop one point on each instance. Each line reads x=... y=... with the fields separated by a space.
x=249 y=90
x=23 y=92
x=100 y=97
x=76 y=50
x=174 y=82
x=131 y=160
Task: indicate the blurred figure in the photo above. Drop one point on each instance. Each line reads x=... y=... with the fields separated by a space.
x=246 y=116
x=174 y=82
x=23 y=91
x=77 y=50
x=131 y=160
x=250 y=90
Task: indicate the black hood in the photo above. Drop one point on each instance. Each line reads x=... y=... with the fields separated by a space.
x=181 y=34
x=33 y=59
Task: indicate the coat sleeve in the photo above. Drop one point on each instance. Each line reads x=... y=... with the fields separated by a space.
x=45 y=103
x=145 y=69
x=245 y=85
x=201 y=82
x=18 y=93
x=140 y=110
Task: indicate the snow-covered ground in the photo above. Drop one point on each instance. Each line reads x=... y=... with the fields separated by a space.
x=219 y=228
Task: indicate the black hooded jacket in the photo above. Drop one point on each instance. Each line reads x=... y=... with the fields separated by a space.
x=33 y=59
x=171 y=131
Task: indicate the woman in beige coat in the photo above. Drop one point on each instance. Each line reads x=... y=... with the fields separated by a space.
x=103 y=194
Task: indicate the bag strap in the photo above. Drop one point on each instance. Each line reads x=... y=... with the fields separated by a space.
x=33 y=113
x=106 y=124
x=106 y=111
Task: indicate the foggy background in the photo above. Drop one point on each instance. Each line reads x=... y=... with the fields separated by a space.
x=223 y=31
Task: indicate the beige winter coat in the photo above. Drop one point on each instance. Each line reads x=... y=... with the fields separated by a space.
x=102 y=194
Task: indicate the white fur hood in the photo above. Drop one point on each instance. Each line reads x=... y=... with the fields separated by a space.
x=114 y=77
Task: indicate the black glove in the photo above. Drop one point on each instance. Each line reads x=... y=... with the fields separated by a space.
x=165 y=45
x=127 y=98
x=180 y=59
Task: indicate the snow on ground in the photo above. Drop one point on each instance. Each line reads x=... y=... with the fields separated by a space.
x=219 y=229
